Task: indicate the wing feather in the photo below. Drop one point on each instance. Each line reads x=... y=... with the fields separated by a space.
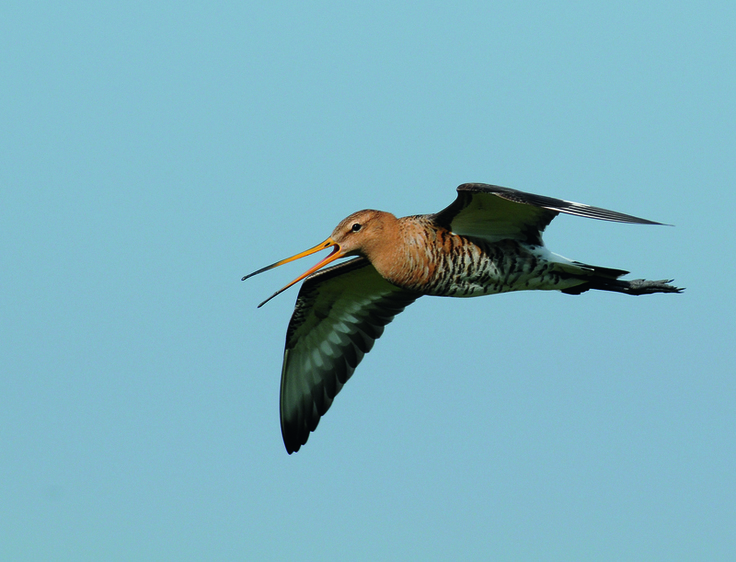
x=497 y=213
x=339 y=314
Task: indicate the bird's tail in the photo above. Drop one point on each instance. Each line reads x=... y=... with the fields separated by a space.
x=607 y=279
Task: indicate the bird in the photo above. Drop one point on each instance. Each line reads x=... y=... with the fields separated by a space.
x=488 y=241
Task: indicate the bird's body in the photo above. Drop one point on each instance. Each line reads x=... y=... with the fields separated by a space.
x=488 y=241
x=416 y=254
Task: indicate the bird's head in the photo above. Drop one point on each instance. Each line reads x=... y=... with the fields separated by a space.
x=361 y=233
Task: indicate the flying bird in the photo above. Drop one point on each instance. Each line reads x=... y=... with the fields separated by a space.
x=489 y=240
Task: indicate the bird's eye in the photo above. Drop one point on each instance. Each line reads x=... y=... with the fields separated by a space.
x=356 y=227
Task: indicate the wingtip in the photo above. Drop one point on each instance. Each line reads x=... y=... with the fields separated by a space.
x=290 y=436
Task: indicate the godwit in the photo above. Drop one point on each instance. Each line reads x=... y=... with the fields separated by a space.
x=488 y=241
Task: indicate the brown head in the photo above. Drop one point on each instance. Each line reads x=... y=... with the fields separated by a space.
x=366 y=233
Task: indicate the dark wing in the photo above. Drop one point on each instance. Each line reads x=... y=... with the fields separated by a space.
x=497 y=213
x=340 y=312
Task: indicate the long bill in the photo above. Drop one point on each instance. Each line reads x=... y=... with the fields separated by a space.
x=336 y=253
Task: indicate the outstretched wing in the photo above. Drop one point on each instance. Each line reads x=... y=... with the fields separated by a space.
x=340 y=312
x=497 y=213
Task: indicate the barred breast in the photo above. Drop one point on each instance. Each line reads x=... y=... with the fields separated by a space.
x=440 y=263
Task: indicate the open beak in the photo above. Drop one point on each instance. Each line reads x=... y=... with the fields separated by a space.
x=336 y=253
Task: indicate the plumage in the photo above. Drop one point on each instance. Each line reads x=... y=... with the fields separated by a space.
x=340 y=313
x=489 y=240
x=493 y=213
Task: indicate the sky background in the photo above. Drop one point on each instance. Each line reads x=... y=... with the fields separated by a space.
x=151 y=154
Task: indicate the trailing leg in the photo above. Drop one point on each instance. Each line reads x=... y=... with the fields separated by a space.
x=633 y=287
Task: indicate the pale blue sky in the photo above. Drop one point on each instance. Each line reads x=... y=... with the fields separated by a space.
x=153 y=153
